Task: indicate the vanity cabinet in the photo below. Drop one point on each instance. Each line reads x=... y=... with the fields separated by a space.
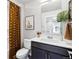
x=38 y=53
x=45 y=51
x=56 y=56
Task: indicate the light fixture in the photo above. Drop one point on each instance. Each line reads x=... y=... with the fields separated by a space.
x=53 y=0
x=43 y=1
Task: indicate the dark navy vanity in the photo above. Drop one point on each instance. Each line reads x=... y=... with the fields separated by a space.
x=46 y=51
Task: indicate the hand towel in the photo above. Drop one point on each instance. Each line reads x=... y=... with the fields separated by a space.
x=68 y=32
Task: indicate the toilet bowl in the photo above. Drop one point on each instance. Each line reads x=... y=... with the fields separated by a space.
x=24 y=52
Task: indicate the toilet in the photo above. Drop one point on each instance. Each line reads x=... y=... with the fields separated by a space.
x=24 y=52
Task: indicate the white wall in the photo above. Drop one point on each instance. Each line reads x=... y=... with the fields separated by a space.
x=8 y=28
x=32 y=9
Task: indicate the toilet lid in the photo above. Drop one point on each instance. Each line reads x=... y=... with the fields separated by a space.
x=22 y=52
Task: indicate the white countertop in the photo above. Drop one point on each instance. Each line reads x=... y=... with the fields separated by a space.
x=65 y=44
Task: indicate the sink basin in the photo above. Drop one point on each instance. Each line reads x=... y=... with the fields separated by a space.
x=54 y=42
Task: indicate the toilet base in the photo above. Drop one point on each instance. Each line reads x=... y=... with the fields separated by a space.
x=23 y=58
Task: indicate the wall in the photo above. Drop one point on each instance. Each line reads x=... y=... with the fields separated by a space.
x=32 y=8
x=8 y=29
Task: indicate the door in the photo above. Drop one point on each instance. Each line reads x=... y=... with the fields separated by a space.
x=38 y=53
x=14 y=29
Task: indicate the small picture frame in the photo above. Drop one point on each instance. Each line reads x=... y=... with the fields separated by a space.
x=29 y=22
x=57 y=28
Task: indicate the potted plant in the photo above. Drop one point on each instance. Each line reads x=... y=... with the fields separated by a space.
x=62 y=16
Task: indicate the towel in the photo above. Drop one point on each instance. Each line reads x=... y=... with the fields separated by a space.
x=68 y=32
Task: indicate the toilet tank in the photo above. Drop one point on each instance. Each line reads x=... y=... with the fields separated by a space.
x=27 y=43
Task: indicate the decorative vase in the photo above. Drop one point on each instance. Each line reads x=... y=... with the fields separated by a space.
x=38 y=34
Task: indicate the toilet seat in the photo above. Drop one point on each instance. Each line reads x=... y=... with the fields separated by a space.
x=22 y=52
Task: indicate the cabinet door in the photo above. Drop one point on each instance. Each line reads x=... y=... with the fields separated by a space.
x=38 y=53
x=56 y=56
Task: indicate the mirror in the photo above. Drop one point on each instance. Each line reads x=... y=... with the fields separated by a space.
x=49 y=12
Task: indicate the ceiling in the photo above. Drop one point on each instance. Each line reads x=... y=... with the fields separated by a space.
x=25 y=1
